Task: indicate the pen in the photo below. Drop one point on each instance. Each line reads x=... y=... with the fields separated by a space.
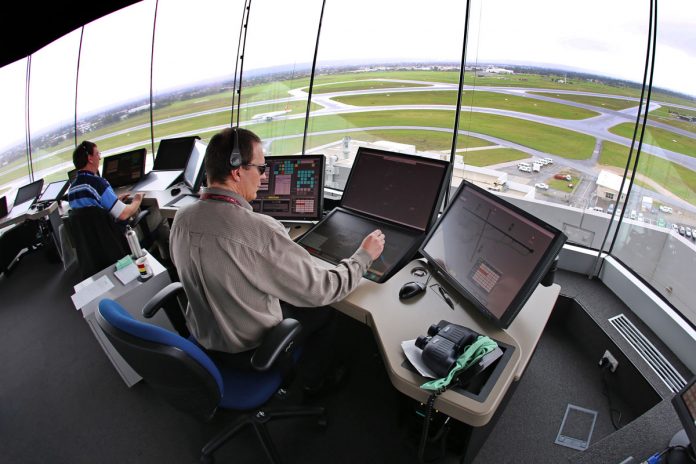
x=447 y=299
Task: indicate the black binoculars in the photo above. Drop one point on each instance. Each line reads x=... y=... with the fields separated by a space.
x=443 y=345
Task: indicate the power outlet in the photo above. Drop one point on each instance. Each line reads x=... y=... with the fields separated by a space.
x=613 y=363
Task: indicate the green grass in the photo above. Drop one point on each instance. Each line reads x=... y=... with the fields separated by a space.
x=360 y=85
x=659 y=138
x=476 y=99
x=601 y=102
x=671 y=176
x=489 y=157
x=663 y=115
x=562 y=185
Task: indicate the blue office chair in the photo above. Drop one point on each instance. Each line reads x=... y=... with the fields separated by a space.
x=179 y=370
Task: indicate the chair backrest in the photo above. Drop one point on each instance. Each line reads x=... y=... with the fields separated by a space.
x=175 y=367
x=98 y=240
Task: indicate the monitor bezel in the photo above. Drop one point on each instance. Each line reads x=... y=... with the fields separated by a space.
x=155 y=167
x=437 y=201
x=195 y=186
x=61 y=192
x=124 y=155
x=684 y=415
x=529 y=286
x=320 y=209
x=34 y=184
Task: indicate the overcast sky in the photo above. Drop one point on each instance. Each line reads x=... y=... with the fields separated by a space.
x=600 y=37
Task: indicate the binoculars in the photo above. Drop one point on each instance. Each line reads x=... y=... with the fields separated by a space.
x=443 y=345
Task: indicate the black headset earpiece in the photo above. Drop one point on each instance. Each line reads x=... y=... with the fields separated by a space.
x=236 y=155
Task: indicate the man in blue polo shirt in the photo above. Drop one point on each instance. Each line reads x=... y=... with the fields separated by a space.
x=90 y=189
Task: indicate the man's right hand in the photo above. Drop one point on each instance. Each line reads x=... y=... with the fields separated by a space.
x=373 y=244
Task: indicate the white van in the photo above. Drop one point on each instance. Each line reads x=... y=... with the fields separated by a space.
x=524 y=168
x=536 y=167
x=633 y=215
x=519 y=165
x=548 y=161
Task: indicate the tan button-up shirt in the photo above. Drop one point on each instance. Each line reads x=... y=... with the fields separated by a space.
x=236 y=264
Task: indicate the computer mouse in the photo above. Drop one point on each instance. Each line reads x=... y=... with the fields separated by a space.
x=411 y=289
x=176 y=191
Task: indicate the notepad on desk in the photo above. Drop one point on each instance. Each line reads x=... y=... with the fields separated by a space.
x=85 y=292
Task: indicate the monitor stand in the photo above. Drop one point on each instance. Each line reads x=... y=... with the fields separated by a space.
x=680 y=455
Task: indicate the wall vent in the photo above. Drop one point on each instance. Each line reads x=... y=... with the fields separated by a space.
x=664 y=370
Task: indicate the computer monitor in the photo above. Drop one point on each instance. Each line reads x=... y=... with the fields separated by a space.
x=684 y=403
x=491 y=252
x=53 y=192
x=124 y=168
x=195 y=169
x=174 y=153
x=403 y=189
x=28 y=192
x=293 y=189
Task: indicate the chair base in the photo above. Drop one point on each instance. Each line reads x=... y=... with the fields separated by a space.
x=258 y=421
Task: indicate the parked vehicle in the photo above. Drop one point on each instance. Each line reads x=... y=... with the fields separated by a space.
x=524 y=168
x=666 y=209
x=641 y=218
x=567 y=177
x=610 y=208
x=633 y=215
x=541 y=185
x=682 y=230
x=548 y=160
x=688 y=232
x=536 y=167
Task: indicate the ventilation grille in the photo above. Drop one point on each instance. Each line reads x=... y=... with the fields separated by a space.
x=664 y=370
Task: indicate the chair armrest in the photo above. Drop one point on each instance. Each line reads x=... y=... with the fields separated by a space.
x=278 y=342
x=139 y=217
x=173 y=299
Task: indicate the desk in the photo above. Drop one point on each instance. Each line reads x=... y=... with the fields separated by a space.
x=394 y=321
x=15 y=217
x=132 y=297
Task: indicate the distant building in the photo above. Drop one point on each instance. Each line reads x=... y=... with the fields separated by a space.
x=496 y=70
x=608 y=185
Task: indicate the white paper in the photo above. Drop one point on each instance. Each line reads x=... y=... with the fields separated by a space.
x=91 y=291
x=127 y=274
x=414 y=355
x=83 y=284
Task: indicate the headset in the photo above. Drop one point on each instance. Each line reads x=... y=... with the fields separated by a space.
x=236 y=155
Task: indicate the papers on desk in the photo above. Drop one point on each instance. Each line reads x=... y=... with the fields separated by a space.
x=127 y=273
x=87 y=291
x=414 y=355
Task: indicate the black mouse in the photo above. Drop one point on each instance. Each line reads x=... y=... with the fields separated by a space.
x=411 y=289
x=176 y=191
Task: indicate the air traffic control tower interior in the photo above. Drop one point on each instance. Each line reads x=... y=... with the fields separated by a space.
x=534 y=168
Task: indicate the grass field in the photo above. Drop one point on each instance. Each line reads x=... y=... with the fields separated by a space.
x=673 y=177
x=469 y=99
x=360 y=85
x=601 y=102
x=662 y=114
x=660 y=138
x=484 y=158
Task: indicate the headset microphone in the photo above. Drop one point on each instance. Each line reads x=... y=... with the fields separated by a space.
x=236 y=155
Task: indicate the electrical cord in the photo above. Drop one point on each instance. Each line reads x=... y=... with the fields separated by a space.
x=440 y=436
x=605 y=383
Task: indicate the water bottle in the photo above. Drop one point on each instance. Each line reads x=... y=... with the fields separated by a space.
x=133 y=243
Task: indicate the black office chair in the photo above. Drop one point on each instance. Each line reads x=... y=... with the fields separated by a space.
x=181 y=371
x=98 y=241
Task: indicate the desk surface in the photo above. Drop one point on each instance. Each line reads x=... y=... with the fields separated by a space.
x=394 y=321
x=15 y=216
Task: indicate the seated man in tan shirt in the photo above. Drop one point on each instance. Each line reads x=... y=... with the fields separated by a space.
x=243 y=274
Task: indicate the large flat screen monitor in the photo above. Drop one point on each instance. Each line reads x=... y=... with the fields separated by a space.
x=195 y=169
x=403 y=189
x=684 y=403
x=491 y=252
x=124 y=168
x=28 y=192
x=293 y=188
x=174 y=153
x=53 y=192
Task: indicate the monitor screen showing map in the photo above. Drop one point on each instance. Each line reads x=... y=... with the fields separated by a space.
x=491 y=252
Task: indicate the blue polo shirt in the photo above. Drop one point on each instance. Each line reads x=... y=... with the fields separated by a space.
x=90 y=189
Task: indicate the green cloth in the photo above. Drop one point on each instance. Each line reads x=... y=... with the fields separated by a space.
x=123 y=262
x=472 y=354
